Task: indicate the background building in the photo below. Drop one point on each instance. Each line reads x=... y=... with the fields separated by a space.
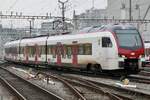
x=55 y=27
x=8 y=34
x=89 y=18
x=120 y=10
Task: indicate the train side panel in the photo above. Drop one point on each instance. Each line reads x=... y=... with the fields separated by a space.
x=106 y=52
x=33 y=50
x=81 y=50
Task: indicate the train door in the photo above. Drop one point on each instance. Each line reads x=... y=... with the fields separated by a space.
x=108 y=51
x=107 y=46
x=58 y=53
x=74 y=54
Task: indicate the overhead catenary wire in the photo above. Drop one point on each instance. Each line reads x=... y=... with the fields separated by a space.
x=13 y=5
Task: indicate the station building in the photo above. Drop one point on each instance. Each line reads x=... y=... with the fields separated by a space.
x=8 y=34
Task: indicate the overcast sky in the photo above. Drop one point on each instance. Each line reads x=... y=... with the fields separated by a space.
x=41 y=7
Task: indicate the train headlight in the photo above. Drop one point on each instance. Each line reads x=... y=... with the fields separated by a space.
x=142 y=56
x=122 y=56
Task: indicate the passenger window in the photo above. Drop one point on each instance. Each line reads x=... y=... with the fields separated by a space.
x=81 y=50
x=69 y=52
x=106 y=42
x=54 y=51
x=49 y=51
x=64 y=51
x=88 y=49
x=22 y=50
x=43 y=50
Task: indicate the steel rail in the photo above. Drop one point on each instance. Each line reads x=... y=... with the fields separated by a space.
x=94 y=86
x=125 y=90
x=112 y=96
x=77 y=93
x=139 y=79
x=25 y=87
x=12 y=89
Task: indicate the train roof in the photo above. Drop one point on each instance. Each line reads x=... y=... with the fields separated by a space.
x=32 y=41
x=96 y=29
x=35 y=36
x=42 y=40
x=12 y=43
x=77 y=36
x=119 y=26
x=110 y=27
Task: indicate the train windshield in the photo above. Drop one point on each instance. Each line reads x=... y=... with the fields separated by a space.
x=129 y=39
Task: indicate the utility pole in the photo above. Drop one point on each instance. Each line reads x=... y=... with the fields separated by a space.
x=31 y=19
x=93 y=1
x=63 y=12
x=130 y=10
x=31 y=22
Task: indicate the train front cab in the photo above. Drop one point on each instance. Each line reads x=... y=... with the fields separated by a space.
x=130 y=49
x=12 y=51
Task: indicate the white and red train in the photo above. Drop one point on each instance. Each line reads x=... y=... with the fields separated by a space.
x=110 y=47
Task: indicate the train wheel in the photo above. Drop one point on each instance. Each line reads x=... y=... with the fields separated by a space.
x=36 y=66
x=88 y=67
x=98 y=68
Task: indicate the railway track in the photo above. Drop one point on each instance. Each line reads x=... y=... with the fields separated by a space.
x=142 y=77
x=91 y=86
x=91 y=92
x=23 y=89
x=76 y=85
x=145 y=73
x=124 y=93
x=85 y=91
x=17 y=95
x=139 y=79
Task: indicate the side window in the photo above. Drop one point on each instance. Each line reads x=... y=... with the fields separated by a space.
x=49 y=51
x=32 y=51
x=88 y=49
x=64 y=51
x=42 y=50
x=54 y=51
x=21 y=50
x=29 y=51
x=106 y=42
x=81 y=49
x=69 y=52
